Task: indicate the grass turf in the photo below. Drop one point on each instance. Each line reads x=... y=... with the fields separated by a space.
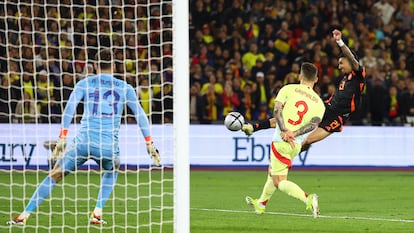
x=349 y=202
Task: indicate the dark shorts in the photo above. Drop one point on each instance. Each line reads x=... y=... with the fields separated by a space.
x=332 y=121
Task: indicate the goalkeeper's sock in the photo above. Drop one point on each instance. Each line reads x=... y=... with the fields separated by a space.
x=107 y=184
x=262 y=124
x=268 y=190
x=97 y=211
x=24 y=215
x=292 y=190
x=43 y=191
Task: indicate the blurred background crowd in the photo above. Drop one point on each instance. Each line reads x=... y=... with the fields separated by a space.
x=47 y=46
x=241 y=53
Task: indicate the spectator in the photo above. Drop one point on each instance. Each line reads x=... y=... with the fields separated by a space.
x=249 y=59
x=218 y=88
x=378 y=94
x=13 y=72
x=268 y=64
x=293 y=76
x=369 y=61
x=46 y=98
x=270 y=79
x=408 y=104
x=218 y=18
x=393 y=106
x=400 y=51
x=26 y=110
x=282 y=44
x=230 y=99
x=198 y=14
x=262 y=93
x=384 y=10
x=219 y=61
x=263 y=112
x=196 y=104
x=203 y=57
x=266 y=39
x=234 y=11
x=5 y=94
x=145 y=95
x=207 y=37
x=162 y=105
x=237 y=87
x=258 y=67
x=212 y=106
x=68 y=83
x=26 y=85
x=251 y=29
x=247 y=103
x=283 y=68
x=223 y=40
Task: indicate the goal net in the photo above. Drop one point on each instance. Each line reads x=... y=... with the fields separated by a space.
x=47 y=46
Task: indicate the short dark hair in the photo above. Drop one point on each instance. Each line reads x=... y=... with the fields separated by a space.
x=103 y=59
x=309 y=71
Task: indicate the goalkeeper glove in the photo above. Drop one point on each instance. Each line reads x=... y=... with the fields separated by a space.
x=153 y=153
x=61 y=144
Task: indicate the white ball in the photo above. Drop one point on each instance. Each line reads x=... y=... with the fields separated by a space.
x=234 y=121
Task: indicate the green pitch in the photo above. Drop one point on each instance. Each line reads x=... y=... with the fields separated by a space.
x=349 y=202
x=148 y=204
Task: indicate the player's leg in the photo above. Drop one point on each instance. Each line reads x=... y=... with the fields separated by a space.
x=108 y=181
x=259 y=205
x=42 y=191
x=331 y=123
x=281 y=152
x=315 y=136
x=270 y=186
x=294 y=190
x=63 y=166
x=268 y=190
x=250 y=127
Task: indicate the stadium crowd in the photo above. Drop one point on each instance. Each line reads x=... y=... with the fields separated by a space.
x=49 y=45
x=241 y=53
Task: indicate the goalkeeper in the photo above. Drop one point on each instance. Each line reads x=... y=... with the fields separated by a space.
x=104 y=98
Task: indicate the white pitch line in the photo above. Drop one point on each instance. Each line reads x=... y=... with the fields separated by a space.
x=280 y=213
x=308 y=215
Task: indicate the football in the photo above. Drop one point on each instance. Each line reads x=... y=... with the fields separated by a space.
x=234 y=121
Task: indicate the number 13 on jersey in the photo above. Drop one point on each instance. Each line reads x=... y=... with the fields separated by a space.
x=105 y=105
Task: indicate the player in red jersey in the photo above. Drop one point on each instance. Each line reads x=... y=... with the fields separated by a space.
x=344 y=101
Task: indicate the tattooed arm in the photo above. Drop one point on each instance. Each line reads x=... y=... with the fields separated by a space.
x=277 y=114
x=313 y=124
x=337 y=35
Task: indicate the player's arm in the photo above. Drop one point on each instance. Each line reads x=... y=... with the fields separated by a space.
x=280 y=99
x=139 y=113
x=313 y=124
x=141 y=118
x=277 y=114
x=337 y=35
x=75 y=97
x=286 y=134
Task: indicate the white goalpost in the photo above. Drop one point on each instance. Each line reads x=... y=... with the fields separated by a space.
x=47 y=46
x=182 y=121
